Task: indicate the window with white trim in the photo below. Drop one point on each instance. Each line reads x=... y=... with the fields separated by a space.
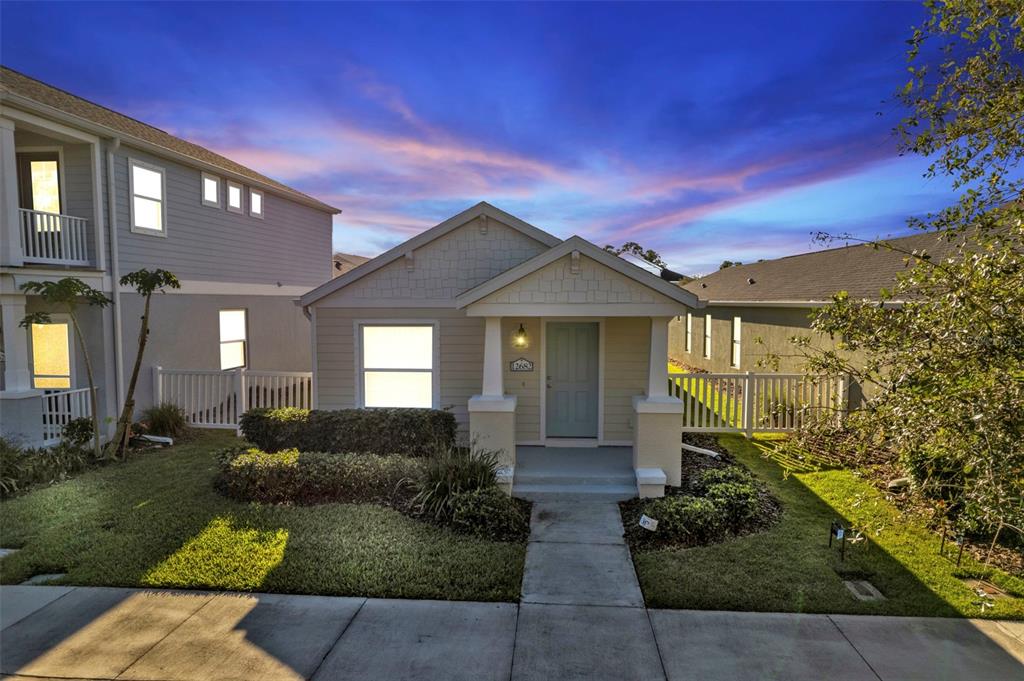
x=234 y=197
x=256 y=203
x=147 y=186
x=233 y=339
x=707 y=336
x=737 y=324
x=51 y=355
x=211 y=190
x=396 y=365
x=689 y=332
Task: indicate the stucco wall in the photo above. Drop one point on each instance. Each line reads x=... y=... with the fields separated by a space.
x=447 y=266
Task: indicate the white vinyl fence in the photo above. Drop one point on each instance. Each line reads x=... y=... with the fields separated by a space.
x=751 y=402
x=60 y=408
x=216 y=399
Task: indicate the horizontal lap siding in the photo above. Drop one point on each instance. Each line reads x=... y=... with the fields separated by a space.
x=627 y=349
x=525 y=385
x=290 y=246
x=461 y=346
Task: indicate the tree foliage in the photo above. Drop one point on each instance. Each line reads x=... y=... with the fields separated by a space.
x=633 y=248
x=942 y=354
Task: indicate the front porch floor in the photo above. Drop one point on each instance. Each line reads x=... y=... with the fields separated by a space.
x=606 y=471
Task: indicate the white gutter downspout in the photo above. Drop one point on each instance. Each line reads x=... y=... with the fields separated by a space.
x=115 y=273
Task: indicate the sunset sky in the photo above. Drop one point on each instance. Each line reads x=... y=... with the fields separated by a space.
x=707 y=132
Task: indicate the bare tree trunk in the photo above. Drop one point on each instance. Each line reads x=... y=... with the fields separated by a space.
x=93 y=402
x=124 y=424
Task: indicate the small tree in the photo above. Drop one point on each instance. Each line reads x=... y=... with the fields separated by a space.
x=633 y=248
x=66 y=295
x=145 y=283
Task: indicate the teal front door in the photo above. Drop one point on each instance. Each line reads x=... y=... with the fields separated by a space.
x=572 y=388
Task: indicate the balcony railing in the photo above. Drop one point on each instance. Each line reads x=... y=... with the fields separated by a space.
x=54 y=239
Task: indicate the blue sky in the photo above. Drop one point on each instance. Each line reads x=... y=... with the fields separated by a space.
x=704 y=131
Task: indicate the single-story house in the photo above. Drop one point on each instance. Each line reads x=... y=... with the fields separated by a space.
x=531 y=341
x=752 y=311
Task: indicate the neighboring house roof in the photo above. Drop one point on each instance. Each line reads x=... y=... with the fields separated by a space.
x=346 y=262
x=576 y=243
x=17 y=88
x=452 y=223
x=861 y=270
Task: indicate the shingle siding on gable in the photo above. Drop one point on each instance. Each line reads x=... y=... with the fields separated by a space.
x=291 y=245
x=555 y=283
x=447 y=266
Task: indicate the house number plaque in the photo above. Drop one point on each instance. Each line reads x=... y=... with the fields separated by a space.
x=521 y=364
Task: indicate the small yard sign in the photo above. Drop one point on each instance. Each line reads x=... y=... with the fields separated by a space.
x=648 y=523
x=521 y=364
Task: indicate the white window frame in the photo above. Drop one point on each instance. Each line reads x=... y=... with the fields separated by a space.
x=737 y=348
x=707 y=336
x=263 y=203
x=241 y=197
x=689 y=332
x=56 y=319
x=435 y=370
x=202 y=189
x=245 y=341
x=132 y=162
x=60 y=170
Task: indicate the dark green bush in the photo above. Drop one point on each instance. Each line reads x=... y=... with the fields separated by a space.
x=167 y=420
x=408 y=432
x=688 y=519
x=315 y=478
x=490 y=513
x=21 y=468
x=451 y=472
x=78 y=432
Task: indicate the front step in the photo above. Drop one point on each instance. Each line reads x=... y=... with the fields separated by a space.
x=548 y=490
x=614 y=479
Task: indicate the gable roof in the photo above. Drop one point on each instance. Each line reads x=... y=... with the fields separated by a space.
x=577 y=243
x=422 y=239
x=23 y=90
x=861 y=270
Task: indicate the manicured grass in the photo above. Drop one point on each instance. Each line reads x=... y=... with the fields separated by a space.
x=789 y=568
x=157 y=521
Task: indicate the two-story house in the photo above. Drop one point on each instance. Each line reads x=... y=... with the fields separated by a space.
x=91 y=193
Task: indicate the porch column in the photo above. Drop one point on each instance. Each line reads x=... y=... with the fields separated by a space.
x=492 y=414
x=657 y=439
x=10 y=225
x=17 y=375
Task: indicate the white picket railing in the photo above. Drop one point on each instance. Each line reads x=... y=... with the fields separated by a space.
x=216 y=399
x=60 y=408
x=53 y=238
x=752 y=402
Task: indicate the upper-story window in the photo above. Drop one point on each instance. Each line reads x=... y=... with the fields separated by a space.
x=234 y=197
x=689 y=331
x=737 y=325
x=211 y=190
x=707 y=336
x=147 y=188
x=256 y=203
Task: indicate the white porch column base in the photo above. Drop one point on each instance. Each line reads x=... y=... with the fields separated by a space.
x=657 y=442
x=22 y=419
x=492 y=426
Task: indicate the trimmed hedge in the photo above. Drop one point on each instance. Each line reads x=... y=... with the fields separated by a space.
x=408 y=432
x=490 y=513
x=315 y=478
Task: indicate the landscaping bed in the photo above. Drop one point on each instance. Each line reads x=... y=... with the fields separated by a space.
x=789 y=567
x=157 y=520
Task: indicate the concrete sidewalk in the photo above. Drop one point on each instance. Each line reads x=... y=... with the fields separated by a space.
x=106 y=633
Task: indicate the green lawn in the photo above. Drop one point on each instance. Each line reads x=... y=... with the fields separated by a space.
x=156 y=521
x=790 y=568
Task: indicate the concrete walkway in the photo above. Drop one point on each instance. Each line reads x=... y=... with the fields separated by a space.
x=102 y=633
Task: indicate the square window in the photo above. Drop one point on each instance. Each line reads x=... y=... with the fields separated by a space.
x=148 y=210
x=397 y=366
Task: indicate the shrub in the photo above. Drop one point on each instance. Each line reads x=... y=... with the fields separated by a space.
x=314 y=478
x=453 y=471
x=689 y=519
x=738 y=502
x=490 y=513
x=78 y=432
x=167 y=420
x=21 y=468
x=409 y=432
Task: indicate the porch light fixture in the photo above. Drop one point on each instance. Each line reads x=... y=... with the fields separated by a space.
x=519 y=338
